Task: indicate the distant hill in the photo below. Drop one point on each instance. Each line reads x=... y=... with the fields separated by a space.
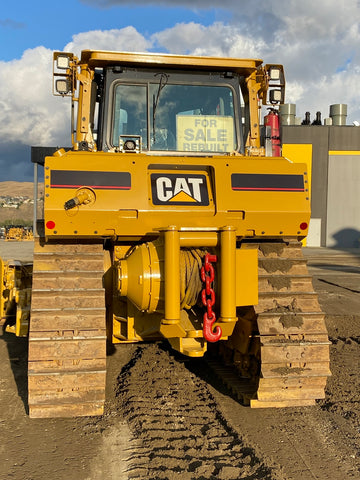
x=15 y=189
x=25 y=212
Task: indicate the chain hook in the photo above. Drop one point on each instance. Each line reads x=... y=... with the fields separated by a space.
x=208 y=276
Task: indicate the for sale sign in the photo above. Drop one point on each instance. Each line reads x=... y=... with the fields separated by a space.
x=205 y=133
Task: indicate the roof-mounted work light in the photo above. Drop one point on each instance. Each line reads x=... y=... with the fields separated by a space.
x=63 y=73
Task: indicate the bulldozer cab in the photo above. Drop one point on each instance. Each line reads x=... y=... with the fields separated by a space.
x=168 y=112
x=182 y=117
x=189 y=105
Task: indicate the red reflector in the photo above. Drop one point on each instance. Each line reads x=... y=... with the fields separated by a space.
x=303 y=226
x=50 y=224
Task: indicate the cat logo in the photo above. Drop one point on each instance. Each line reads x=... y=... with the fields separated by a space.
x=179 y=189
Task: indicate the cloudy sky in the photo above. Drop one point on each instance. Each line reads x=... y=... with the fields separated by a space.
x=317 y=41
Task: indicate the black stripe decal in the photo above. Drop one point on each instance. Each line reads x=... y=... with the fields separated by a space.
x=95 y=180
x=265 y=182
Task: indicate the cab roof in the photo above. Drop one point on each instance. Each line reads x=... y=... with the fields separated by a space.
x=101 y=58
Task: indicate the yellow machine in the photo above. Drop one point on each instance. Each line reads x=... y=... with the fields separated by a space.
x=14 y=233
x=18 y=233
x=168 y=219
x=15 y=295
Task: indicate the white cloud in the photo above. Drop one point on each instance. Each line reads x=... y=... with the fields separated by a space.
x=297 y=20
x=125 y=39
x=30 y=114
x=319 y=73
x=316 y=41
x=217 y=39
x=26 y=101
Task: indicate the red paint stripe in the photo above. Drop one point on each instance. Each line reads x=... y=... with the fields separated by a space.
x=270 y=189
x=92 y=186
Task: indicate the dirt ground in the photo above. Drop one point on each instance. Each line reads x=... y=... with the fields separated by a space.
x=168 y=417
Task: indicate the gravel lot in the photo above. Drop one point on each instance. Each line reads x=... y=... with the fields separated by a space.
x=169 y=417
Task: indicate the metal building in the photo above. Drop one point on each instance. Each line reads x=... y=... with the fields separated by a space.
x=333 y=155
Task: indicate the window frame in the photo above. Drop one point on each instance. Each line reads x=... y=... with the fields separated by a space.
x=146 y=77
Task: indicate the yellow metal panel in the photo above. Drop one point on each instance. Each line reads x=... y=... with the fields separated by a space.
x=344 y=152
x=172 y=277
x=246 y=277
x=263 y=213
x=192 y=347
x=300 y=153
x=228 y=275
x=101 y=58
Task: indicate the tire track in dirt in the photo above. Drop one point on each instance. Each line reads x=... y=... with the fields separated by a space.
x=342 y=392
x=180 y=430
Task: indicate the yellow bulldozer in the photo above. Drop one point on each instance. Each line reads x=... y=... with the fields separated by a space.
x=18 y=233
x=15 y=296
x=173 y=216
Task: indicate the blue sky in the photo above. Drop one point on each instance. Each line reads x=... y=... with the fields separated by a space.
x=317 y=42
x=28 y=24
